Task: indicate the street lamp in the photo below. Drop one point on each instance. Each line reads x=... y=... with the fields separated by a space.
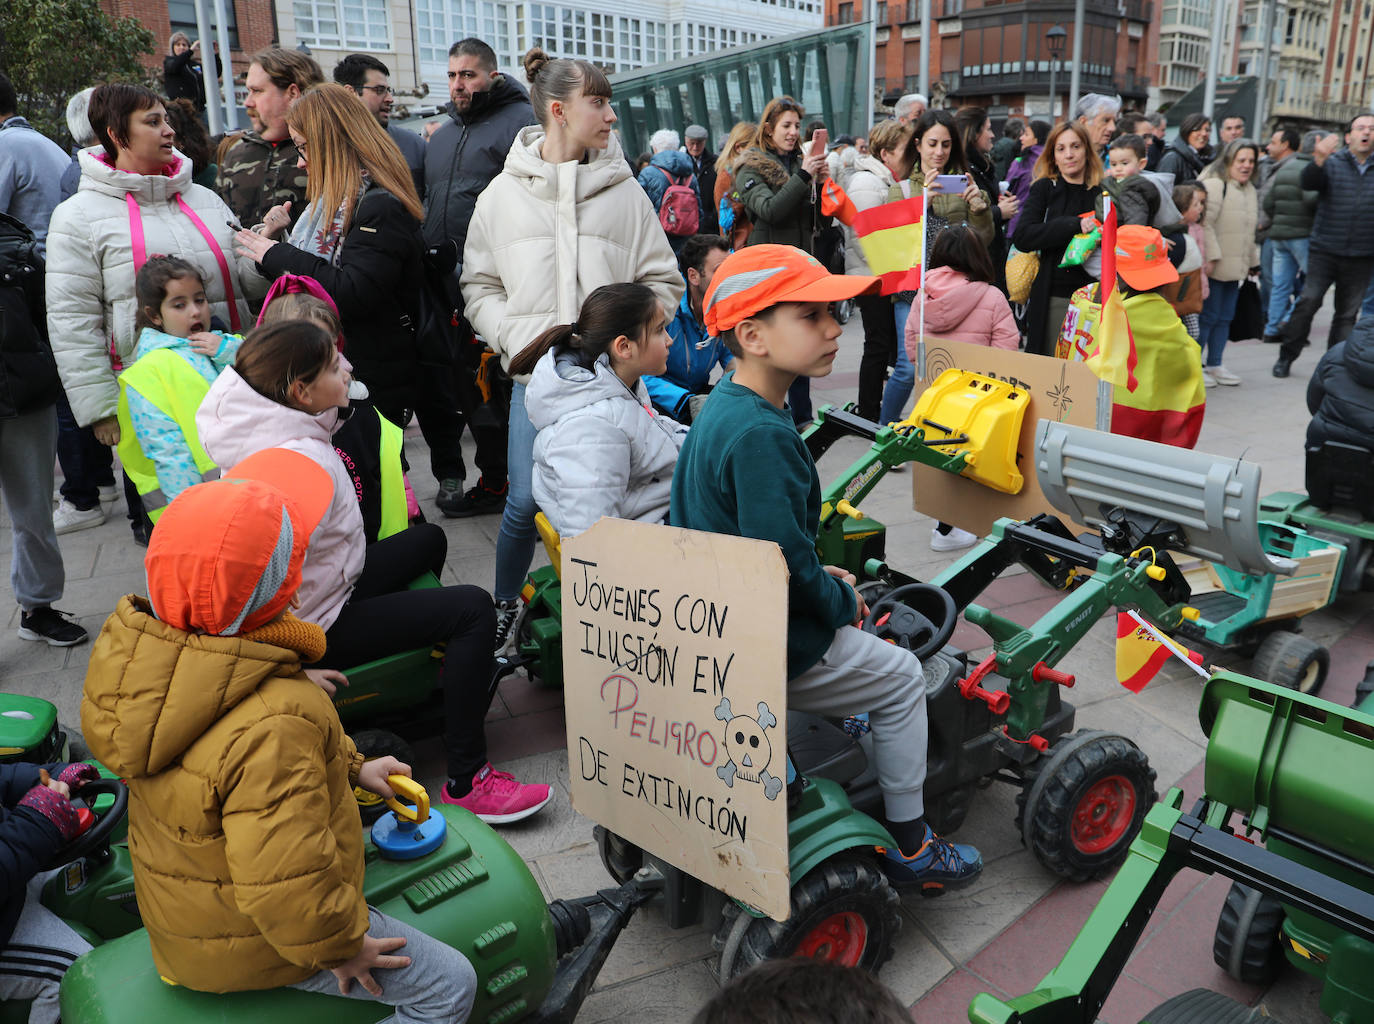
x=1055 y=37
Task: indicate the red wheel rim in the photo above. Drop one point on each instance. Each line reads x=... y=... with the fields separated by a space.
x=841 y=938
x=1104 y=814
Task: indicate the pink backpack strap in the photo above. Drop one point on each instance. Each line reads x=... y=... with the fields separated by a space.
x=219 y=258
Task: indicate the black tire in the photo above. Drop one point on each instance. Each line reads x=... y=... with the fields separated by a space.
x=620 y=857
x=1085 y=803
x=1246 y=945
x=1291 y=660
x=847 y=884
x=1203 y=1006
x=947 y=811
x=372 y=744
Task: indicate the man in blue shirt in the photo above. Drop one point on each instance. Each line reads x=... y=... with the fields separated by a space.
x=682 y=388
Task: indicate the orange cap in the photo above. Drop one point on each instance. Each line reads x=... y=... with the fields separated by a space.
x=754 y=278
x=226 y=556
x=1142 y=258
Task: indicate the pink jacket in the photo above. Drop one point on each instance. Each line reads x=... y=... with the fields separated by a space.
x=958 y=309
x=235 y=422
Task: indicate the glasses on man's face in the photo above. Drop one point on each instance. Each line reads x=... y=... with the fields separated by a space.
x=379 y=90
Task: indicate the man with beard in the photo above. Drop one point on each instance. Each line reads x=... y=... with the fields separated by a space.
x=259 y=171
x=461 y=159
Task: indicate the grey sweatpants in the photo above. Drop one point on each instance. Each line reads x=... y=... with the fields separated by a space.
x=858 y=673
x=28 y=446
x=38 y=954
x=438 y=987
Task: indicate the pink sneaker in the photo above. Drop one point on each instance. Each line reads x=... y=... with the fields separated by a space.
x=498 y=799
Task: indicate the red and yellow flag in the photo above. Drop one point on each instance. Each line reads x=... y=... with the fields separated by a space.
x=835 y=202
x=892 y=239
x=1141 y=652
x=1113 y=357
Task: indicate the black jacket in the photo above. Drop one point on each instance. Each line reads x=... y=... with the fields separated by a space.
x=1154 y=152
x=985 y=177
x=464 y=155
x=377 y=288
x=706 y=181
x=1181 y=160
x=27 y=840
x=28 y=374
x=1340 y=395
x=1049 y=220
x=183 y=79
x=1341 y=225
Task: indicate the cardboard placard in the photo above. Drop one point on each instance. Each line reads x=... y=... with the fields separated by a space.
x=675 y=669
x=1059 y=390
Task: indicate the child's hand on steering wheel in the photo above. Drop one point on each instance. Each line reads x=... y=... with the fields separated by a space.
x=845 y=576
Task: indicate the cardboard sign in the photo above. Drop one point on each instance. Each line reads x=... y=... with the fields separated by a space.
x=675 y=667
x=1060 y=390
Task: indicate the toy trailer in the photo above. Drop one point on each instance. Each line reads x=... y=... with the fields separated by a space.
x=1283 y=760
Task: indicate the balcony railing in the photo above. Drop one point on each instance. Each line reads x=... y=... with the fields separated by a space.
x=1126 y=83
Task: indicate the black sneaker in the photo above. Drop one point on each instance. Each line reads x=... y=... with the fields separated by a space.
x=507 y=615
x=478 y=501
x=450 y=493
x=57 y=628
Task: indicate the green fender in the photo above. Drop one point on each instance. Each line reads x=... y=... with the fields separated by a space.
x=825 y=823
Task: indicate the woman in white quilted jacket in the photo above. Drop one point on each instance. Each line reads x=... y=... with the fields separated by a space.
x=562 y=219
x=135 y=200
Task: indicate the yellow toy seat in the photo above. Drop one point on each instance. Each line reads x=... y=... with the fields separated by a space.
x=553 y=543
x=979 y=416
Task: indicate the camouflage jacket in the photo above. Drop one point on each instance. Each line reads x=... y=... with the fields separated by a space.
x=257 y=175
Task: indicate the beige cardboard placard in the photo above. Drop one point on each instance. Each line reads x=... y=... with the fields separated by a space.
x=675 y=669
x=1060 y=390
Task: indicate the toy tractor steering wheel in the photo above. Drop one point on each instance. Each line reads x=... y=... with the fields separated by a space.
x=922 y=629
x=98 y=834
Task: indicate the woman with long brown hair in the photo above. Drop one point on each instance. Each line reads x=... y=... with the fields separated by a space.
x=360 y=238
x=735 y=144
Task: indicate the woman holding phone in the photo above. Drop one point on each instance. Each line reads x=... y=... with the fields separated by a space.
x=952 y=197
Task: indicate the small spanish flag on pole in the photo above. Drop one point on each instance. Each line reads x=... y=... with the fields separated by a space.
x=1113 y=357
x=891 y=237
x=1142 y=650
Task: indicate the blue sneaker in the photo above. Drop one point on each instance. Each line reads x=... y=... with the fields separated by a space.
x=938 y=865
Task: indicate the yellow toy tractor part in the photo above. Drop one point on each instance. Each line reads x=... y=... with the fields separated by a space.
x=979 y=416
x=553 y=544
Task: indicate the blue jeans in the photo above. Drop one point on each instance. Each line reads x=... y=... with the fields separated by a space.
x=903 y=377
x=1218 y=310
x=517 y=537
x=1289 y=263
x=799 y=401
x=1266 y=265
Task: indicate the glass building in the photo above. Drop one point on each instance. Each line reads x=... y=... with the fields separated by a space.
x=828 y=71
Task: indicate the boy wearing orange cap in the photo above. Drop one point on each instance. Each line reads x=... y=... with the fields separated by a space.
x=243 y=828
x=745 y=471
x=1168 y=400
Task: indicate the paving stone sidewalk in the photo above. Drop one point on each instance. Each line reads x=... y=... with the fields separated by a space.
x=1000 y=936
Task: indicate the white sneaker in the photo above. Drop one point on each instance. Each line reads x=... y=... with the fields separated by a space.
x=952 y=541
x=1224 y=376
x=1208 y=381
x=67 y=518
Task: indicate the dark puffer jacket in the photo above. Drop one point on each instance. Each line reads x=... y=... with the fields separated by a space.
x=1341 y=225
x=1181 y=160
x=779 y=197
x=27 y=839
x=1340 y=395
x=28 y=373
x=1289 y=206
x=464 y=155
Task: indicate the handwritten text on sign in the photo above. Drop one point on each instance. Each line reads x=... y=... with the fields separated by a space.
x=674 y=647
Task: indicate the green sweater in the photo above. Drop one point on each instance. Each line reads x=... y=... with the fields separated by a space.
x=744 y=471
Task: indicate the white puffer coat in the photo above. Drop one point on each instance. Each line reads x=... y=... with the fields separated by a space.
x=90 y=277
x=601 y=449
x=868 y=187
x=543 y=236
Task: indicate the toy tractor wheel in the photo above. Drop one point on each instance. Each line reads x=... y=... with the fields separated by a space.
x=372 y=744
x=619 y=857
x=844 y=910
x=1291 y=660
x=1086 y=803
x=1246 y=944
x=1203 y=1006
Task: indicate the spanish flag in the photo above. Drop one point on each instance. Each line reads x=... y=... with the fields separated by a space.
x=1113 y=358
x=892 y=239
x=1141 y=651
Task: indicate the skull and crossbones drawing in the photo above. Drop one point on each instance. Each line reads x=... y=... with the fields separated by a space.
x=749 y=750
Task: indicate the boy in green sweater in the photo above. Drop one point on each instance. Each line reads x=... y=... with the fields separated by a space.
x=745 y=471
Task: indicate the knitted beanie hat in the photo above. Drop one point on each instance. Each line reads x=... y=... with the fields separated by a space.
x=226 y=556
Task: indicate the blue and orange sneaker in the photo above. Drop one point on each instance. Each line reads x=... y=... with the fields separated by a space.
x=938 y=865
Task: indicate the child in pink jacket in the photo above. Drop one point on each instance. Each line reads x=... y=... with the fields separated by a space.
x=962 y=303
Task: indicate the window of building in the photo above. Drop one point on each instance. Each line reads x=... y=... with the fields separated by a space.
x=880 y=12
x=182 y=14
x=344 y=24
x=845 y=14
x=438 y=24
x=912 y=10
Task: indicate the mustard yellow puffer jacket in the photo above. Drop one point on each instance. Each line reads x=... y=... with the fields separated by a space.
x=244 y=832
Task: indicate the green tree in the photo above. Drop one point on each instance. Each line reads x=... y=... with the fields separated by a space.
x=52 y=49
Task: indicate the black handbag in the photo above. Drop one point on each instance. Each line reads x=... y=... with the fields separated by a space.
x=1249 y=319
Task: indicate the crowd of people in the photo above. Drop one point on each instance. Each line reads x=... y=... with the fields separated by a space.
x=276 y=306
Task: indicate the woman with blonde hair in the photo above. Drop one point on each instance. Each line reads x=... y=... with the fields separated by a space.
x=736 y=225
x=1058 y=206
x=360 y=238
